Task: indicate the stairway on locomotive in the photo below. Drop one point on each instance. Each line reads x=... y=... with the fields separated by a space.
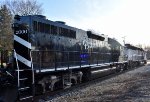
x=25 y=80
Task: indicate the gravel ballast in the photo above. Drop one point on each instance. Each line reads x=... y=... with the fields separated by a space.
x=132 y=86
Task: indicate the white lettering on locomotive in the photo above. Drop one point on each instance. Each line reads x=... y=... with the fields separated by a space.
x=21 y=32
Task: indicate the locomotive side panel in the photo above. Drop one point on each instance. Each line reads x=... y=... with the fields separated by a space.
x=56 y=45
x=115 y=49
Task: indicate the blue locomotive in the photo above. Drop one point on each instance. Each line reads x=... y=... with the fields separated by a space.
x=49 y=55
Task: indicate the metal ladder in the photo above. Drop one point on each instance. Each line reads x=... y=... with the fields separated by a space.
x=25 y=81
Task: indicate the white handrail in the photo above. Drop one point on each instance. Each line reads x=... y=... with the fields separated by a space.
x=17 y=67
x=32 y=68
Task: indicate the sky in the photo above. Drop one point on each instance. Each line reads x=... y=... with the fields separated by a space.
x=129 y=19
x=119 y=19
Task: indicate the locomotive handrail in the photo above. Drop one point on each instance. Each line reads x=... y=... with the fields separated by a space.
x=68 y=63
x=32 y=68
x=84 y=59
x=16 y=59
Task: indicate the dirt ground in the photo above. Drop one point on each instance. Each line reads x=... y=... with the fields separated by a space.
x=132 y=86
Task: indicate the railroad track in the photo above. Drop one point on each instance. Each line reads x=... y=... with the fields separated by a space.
x=48 y=96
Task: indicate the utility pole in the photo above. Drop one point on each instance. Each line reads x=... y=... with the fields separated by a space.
x=124 y=37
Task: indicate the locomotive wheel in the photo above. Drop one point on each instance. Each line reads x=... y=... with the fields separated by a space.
x=125 y=66
x=86 y=75
x=118 y=68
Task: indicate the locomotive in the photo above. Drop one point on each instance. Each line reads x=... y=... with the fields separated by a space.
x=49 y=55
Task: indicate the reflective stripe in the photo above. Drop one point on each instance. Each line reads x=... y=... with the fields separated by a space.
x=96 y=71
x=73 y=67
x=23 y=60
x=22 y=41
x=45 y=70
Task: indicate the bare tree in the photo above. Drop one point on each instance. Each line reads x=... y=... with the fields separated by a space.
x=24 y=7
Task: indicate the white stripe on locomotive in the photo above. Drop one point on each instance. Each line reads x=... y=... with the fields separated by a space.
x=23 y=60
x=22 y=41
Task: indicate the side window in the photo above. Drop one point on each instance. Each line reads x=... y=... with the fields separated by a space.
x=47 y=28
x=42 y=27
x=67 y=33
x=72 y=34
x=53 y=29
x=35 y=26
x=60 y=31
x=39 y=26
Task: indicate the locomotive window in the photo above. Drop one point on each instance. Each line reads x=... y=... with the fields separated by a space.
x=53 y=29
x=35 y=26
x=72 y=34
x=47 y=28
x=64 y=32
x=39 y=26
x=60 y=30
x=42 y=27
x=67 y=33
x=93 y=36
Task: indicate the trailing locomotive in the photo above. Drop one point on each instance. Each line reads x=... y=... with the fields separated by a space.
x=50 y=55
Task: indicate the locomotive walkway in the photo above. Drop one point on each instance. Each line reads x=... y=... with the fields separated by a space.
x=132 y=86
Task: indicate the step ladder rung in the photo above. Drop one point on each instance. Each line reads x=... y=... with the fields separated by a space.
x=23 y=79
x=23 y=70
x=23 y=88
x=20 y=70
x=68 y=83
x=26 y=98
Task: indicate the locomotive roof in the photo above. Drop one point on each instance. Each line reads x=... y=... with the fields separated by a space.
x=129 y=46
x=113 y=42
x=90 y=34
x=41 y=18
